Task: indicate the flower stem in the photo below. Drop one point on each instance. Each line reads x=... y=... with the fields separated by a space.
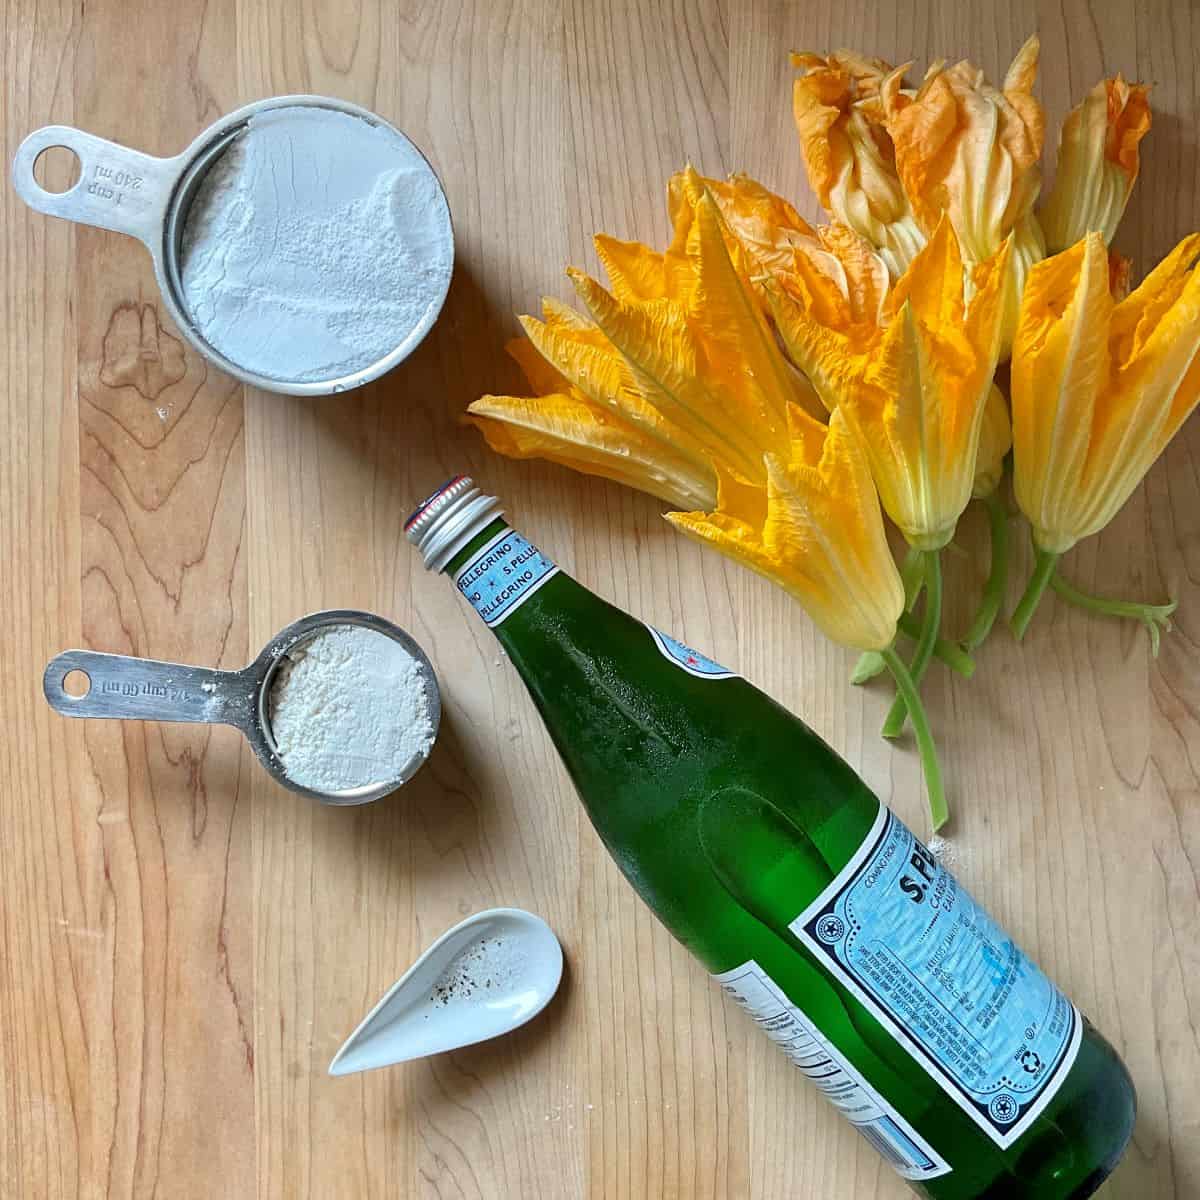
x=939 y=814
x=1155 y=617
x=997 y=580
x=1043 y=572
x=894 y=725
x=953 y=655
x=912 y=575
x=870 y=662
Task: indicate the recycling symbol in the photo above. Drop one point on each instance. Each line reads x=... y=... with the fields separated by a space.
x=1031 y=1062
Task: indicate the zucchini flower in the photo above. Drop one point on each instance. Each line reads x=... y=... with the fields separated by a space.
x=1097 y=163
x=625 y=441
x=914 y=386
x=969 y=151
x=677 y=371
x=913 y=390
x=1099 y=388
x=817 y=531
x=848 y=154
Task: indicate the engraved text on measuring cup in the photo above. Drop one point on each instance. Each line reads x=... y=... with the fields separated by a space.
x=161 y=691
x=108 y=182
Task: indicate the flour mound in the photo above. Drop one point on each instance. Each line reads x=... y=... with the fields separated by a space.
x=315 y=245
x=349 y=709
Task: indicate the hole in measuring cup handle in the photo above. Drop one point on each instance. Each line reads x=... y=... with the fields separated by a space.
x=76 y=683
x=57 y=169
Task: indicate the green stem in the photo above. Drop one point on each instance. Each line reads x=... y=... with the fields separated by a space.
x=953 y=655
x=1043 y=572
x=939 y=814
x=912 y=575
x=870 y=662
x=997 y=580
x=1155 y=617
x=894 y=725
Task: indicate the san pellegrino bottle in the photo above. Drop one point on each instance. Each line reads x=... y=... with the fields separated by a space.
x=808 y=901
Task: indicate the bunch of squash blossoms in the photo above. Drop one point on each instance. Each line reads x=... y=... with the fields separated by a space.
x=783 y=387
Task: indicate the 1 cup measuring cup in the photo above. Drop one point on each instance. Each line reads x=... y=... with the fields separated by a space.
x=142 y=689
x=149 y=198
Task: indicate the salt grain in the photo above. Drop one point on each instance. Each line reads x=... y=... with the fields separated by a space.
x=487 y=965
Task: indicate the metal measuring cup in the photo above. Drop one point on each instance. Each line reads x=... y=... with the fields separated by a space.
x=143 y=689
x=148 y=198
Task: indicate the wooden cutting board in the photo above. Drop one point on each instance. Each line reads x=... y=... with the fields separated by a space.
x=183 y=946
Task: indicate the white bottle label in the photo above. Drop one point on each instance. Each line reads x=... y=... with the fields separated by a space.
x=900 y=933
x=502 y=575
x=800 y=1039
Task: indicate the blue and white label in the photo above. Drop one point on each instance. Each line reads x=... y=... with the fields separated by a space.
x=820 y=1060
x=503 y=575
x=692 y=661
x=907 y=940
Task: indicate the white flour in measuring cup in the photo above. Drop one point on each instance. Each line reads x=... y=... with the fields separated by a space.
x=348 y=709
x=315 y=244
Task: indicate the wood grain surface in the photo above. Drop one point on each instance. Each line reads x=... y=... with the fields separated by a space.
x=183 y=945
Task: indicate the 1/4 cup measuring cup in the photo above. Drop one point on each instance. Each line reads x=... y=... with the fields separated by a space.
x=142 y=689
x=148 y=198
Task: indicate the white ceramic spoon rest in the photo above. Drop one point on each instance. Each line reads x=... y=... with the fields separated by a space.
x=488 y=975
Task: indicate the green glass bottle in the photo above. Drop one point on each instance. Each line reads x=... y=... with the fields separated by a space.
x=810 y=903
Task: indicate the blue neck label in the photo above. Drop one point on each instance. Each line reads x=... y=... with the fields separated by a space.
x=502 y=575
x=897 y=929
x=692 y=661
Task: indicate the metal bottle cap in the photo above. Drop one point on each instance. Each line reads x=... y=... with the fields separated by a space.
x=447 y=520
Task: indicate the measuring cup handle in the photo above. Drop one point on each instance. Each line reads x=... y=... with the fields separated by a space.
x=119 y=189
x=143 y=689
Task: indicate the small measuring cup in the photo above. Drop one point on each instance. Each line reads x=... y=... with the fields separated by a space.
x=148 y=198
x=143 y=689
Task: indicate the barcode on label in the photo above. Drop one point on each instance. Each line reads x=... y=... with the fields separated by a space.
x=800 y=1039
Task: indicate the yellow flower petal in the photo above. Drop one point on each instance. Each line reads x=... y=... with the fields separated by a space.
x=741 y=347
x=1138 y=316
x=587 y=360
x=1097 y=163
x=995 y=441
x=1060 y=351
x=917 y=405
x=765 y=225
x=559 y=315
x=1099 y=388
x=969 y=151
x=848 y=154
x=860 y=274
x=828 y=350
x=543 y=377
x=671 y=372
x=567 y=429
x=817 y=532
x=638 y=273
